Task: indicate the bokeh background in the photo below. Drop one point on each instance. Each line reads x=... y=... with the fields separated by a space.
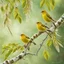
x=28 y=27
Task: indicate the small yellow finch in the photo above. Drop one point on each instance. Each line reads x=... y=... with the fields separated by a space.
x=47 y=17
x=25 y=39
x=41 y=27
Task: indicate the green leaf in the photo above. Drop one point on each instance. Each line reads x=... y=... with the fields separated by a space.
x=18 y=48
x=49 y=42
x=23 y=3
x=16 y=15
x=6 y=6
x=16 y=12
x=19 y=19
x=2 y=8
x=56 y=45
x=48 y=5
x=42 y=3
x=5 y=47
x=60 y=44
x=8 y=53
x=15 y=49
x=46 y=55
x=52 y=2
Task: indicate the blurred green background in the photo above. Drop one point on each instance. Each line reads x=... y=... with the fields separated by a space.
x=28 y=27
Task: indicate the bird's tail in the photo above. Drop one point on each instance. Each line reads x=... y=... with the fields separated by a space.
x=53 y=20
x=34 y=43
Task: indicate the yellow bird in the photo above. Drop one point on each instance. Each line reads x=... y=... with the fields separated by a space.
x=25 y=39
x=41 y=27
x=47 y=17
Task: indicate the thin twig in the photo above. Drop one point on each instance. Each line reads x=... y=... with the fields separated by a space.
x=41 y=44
x=9 y=30
x=39 y=47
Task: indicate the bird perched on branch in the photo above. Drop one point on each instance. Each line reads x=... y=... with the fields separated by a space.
x=41 y=27
x=25 y=39
x=47 y=17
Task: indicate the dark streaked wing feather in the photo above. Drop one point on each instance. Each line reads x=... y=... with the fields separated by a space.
x=44 y=26
x=49 y=16
x=27 y=37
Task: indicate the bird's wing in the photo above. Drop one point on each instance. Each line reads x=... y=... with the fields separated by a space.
x=49 y=16
x=34 y=43
x=44 y=26
x=27 y=37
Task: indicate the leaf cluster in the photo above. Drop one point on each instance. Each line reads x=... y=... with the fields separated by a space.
x=11 y=48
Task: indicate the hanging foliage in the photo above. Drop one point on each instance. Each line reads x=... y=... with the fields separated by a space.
x=49 y=3
x=26 y=4
x=11 y=48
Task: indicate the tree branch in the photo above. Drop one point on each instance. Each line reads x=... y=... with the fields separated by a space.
x=20 y=56
x=39 y=47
